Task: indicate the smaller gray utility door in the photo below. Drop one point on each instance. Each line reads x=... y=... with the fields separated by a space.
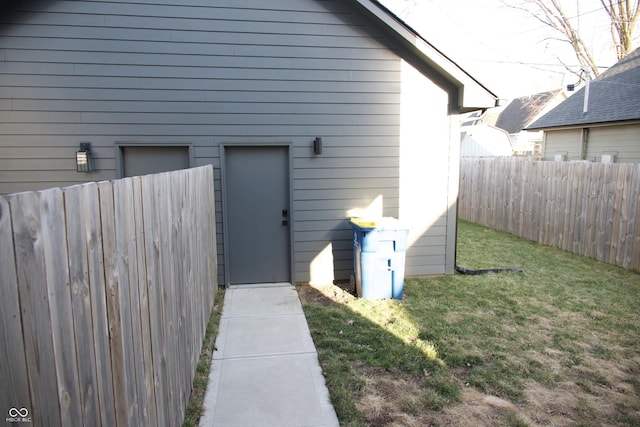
x=257 y=209
x=144 y=160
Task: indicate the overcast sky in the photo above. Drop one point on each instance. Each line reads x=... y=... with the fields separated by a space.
x=508 y=50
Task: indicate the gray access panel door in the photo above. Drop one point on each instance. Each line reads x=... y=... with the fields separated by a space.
x=258 y=218
x=144 y=160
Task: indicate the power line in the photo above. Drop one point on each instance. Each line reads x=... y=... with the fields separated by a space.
x=539 y=64
x=411 y=7
x=580 y=15
x=491 y=48
x=511 y=60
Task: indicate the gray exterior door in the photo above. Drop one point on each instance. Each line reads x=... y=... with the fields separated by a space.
x=258 y=214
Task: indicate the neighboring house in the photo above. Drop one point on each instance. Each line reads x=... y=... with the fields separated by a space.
x=311 y=111
x=606 y=128
x=483 y=140
x=487 y=117
x=479 y=136
x=523 y=111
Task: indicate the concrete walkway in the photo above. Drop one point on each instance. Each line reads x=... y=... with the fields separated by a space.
x=265 y=369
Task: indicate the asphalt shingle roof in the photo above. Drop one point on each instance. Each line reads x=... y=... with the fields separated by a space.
x=614 y=96
x=521 y=111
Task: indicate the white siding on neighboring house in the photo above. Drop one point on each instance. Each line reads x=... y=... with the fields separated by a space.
x=621 y=140
x=209 y=72
x=527 y=142
x=482 y=140
x=562 y=141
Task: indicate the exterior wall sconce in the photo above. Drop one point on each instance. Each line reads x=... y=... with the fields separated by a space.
x=84 y=158
x=317 y=146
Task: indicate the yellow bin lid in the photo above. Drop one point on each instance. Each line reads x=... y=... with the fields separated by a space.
x=386 y=222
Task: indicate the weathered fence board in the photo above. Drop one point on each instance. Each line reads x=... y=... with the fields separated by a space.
x=96 y=270
x=108 y=288
x=14 y=392
x=591 y=209
x=81 y=290
x=127 y=295
x=116 y=347
x=27 y=212
x=152 y=251
x=143 y=303
x=635 y=250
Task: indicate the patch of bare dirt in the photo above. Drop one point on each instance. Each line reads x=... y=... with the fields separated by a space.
x=392 y=399
x=477 y=409
x=385 y=394
x=572 y=402
x=325 y=294
x=568 y=404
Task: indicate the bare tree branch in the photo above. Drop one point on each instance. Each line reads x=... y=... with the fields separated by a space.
x=623 y=15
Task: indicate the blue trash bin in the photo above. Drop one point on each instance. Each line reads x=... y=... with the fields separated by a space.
x=379 y=248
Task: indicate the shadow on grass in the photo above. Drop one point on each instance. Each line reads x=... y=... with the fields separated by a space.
x=375 y=377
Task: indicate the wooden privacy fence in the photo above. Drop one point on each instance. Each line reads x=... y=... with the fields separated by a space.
x=106 y=289
x=591 y=209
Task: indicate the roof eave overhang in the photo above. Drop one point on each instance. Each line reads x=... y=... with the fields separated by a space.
x=465 y=92
x=585 y=125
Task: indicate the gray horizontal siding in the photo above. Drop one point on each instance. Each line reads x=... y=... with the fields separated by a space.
x=331 y=206
x=207 y=72
x=208 y=43
x=375 y=122
x=90 y=88
x=194 y=106
x=284 y=13
x=351 y=196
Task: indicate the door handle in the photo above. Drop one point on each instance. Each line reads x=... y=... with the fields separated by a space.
x=285 y=212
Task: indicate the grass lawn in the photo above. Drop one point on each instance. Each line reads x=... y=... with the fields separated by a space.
x=556 y=345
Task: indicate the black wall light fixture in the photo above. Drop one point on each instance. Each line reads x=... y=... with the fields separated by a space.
x=317 y=146
x=84 y=158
